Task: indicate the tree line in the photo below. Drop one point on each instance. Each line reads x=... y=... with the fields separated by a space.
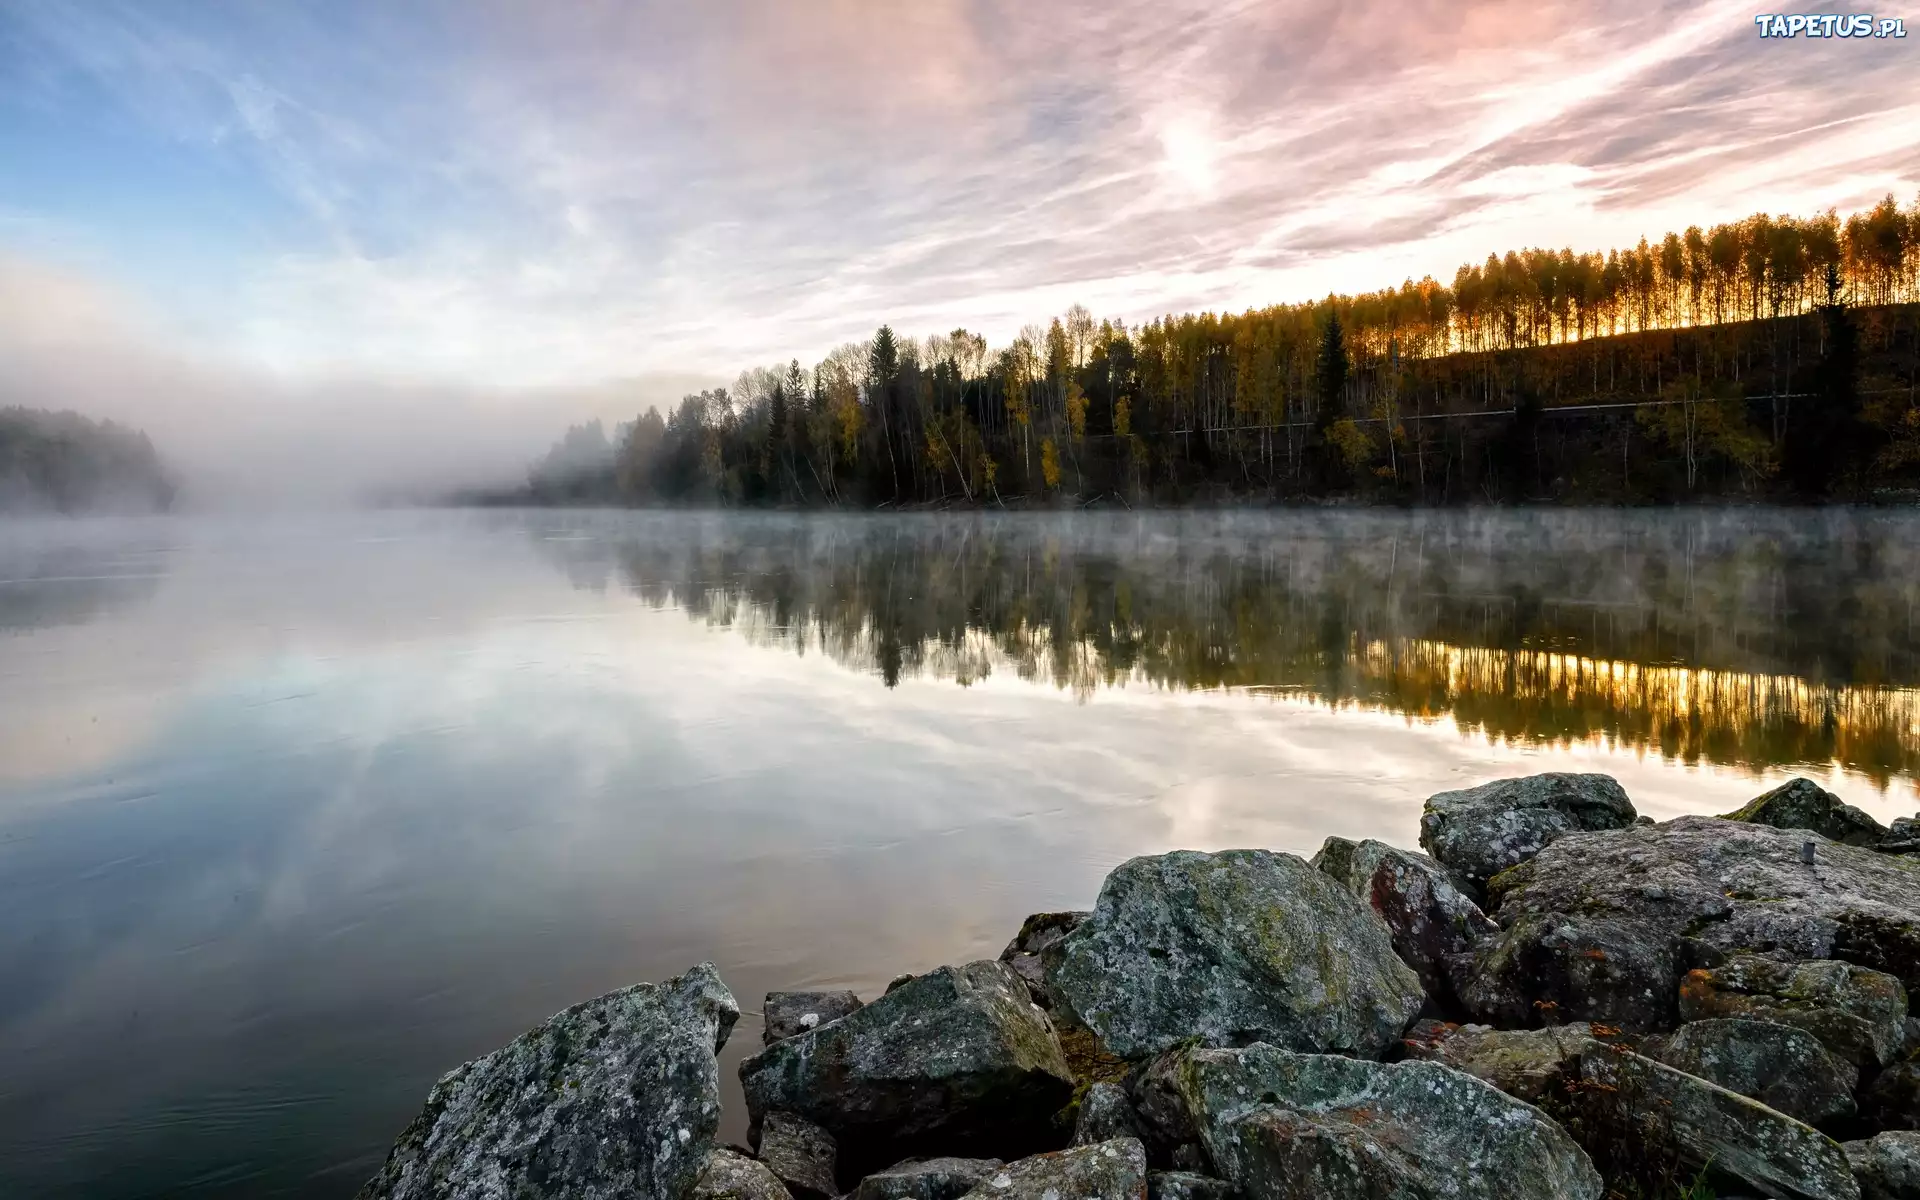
x=1773 y=355
x=64 y=462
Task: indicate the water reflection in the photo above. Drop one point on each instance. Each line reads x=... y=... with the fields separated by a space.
x=1754 y=638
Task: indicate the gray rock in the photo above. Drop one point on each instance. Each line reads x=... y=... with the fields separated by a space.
x=733 y=1176
x=1554 y=968
x=898 y=982
x=1804 y=804
x=1038 y=932
x=1435 y=926
x=1185 y=1185
x=615 y=1097
x=1887 y=1166
x=1892 y=1100
x=927 y=1179
x=1280 y=1124
x=1232 y=948
x=790 y=1014
x=955 y=1061
x=1730 y=886
x=1903 y=837
x=1857 y=1013
x=801 y=1154
x=1644 y=1122
x=1115 y=1170
x=1105 y=1114
x=1784 y=1068
x=1481 y=831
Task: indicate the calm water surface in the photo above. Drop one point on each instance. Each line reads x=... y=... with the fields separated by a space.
x=297 y=813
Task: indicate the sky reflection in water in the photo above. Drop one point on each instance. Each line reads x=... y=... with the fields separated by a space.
x=297 y=813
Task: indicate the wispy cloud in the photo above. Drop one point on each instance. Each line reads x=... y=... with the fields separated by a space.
x=529 y=194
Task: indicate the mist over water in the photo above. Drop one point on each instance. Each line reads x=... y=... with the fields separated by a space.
x=297 y=813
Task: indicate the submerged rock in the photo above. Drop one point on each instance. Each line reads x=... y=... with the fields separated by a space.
x=1323 y=1127
x=1105 y=1114
x=1733 y=887
x=801 y=1154
x=1804 y=804
x=733 y=1176
x=614 y=1098
x=1553 y=968
x=1434 y=925
x=1784 y=1068
x=1887 y=1167
x=1481 y=831
x=1644 y=1122
x=1232 y=948
x=927 y=1179
x=1115 y=1170
x=1857 y=1013
x=790 y=1014
x=954 y=1061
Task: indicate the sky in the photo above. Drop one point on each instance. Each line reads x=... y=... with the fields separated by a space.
x=261 y=228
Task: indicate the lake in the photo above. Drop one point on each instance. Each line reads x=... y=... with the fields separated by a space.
x=299 y=812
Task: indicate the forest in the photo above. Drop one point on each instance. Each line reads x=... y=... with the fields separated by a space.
x=64 y=462
x=1773 y=357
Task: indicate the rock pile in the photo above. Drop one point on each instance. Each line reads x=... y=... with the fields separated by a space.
x=1558 y=1000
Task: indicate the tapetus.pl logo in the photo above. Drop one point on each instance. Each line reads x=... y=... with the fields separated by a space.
x=1829 y=25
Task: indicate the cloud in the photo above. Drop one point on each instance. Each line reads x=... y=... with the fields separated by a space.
x=517 y=195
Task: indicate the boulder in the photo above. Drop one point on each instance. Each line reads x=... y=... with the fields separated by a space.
x=1646 y=1124
x=1887 y=1167
x=1903 y=837
x=790 y=1014
x=1892 y=1099
x=1804 y=804
x=615 y=1097
x=1115 y=1170
x=927 y=1179
x=954 y=1061
x=1857 y=1013
x=1186 y=1185
x=1783 y=1067
x=1038 y=932
x=1105 y=1114
x=1324 y=1127
x=1554 y=968
x=1232 y=948
x=801 y=1154
x=1730 y=886
x=1435 y=926
x=1480 y=831
x=733 y=1176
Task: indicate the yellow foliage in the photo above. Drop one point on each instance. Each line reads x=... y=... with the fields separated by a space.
x=1123 y=417
x=1076 y=410
x=1049 y=463
x=1352 y=441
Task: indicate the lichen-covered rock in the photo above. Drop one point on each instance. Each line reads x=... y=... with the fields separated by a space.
x=927 y=1179
x=801 y=1154
x=1105 y=1114
x=956 y=1061
x=1435 y=926
x=1784 y=1068
x=1324 y=1127
x=1554 y=967
x=615 y=1097
x=1903 y=837
x=1857 y=1013
x=1887 y=1167
x=1231 y=948
x=1804 y=804
x=790 y=1014
x=1481 y=831
x=1115 y=1170
x=1186 y=1185
x=1731 y=886
x=1892 y=1100
x=1645 y=1123
x=733 y=1176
